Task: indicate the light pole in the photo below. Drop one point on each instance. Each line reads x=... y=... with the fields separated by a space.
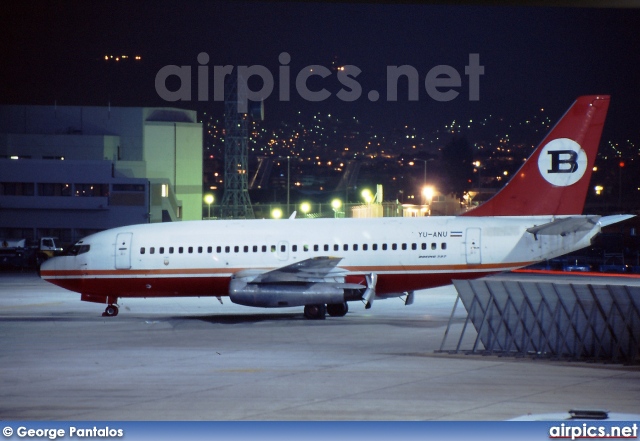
x=208 y=199
x=288 y=181
x=424 y=181
x=336 y=204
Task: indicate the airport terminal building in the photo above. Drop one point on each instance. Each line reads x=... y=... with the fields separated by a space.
x=69 y=171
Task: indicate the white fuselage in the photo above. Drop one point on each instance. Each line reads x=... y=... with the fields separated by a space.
x=200 y=257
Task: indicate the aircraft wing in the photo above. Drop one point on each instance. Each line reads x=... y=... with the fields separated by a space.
x=564 y=226
x=313 y=270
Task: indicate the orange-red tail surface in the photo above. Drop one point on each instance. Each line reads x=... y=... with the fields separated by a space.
x=555 y=178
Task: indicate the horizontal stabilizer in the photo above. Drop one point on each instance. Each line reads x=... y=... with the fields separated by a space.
x=610 y=220
x=564 y=226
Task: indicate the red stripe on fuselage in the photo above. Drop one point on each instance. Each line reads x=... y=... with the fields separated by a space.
x=215 y=282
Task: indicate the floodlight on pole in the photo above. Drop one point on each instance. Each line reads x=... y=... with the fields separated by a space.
x=208 y=199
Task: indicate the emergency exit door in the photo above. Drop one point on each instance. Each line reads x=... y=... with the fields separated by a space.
x=123 y=250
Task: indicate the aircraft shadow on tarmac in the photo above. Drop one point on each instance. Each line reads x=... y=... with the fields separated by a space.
x=298 y=318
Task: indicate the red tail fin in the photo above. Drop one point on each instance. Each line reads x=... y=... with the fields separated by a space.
x=555 y=178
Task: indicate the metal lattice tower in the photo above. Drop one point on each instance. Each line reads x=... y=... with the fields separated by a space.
x=235 y=202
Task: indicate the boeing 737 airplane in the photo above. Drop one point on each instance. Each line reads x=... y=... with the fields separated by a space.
x=322 y=264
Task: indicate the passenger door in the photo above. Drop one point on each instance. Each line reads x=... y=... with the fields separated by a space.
x=473 y=249
x=123 y=250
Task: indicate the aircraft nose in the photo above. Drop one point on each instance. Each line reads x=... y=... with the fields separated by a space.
x=47 y=267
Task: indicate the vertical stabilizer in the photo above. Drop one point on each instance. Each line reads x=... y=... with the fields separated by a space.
x=555 y=178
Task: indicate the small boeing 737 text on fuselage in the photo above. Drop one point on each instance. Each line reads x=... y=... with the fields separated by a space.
x=325 y=263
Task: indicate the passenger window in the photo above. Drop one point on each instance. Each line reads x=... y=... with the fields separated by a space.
x=264 y=248
x=209 y=250
x=255 y=248
x=152 y=250
x=294 y=248
x=170 y=250
x=180 y=250
x=433 y=246
x=236 y=249
x=365 y=247
x=218 y=249
x=326 y=247
x=246 y=248
x=394 y=246
x=384 y=247
x=199 y=250
x=374 y=247
x=424 y=246
x=345 y=247
x=273 y=248
x=305 y=248
x=414 y=246
x=190 y=249
x=444 y=245
x=355 y=247
x=161 y=251
x=142 y=250
x=404 y=246
x=316 y=248
x=336 y=247
x=227 y=249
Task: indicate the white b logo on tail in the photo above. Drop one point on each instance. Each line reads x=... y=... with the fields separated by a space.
x=562 y=162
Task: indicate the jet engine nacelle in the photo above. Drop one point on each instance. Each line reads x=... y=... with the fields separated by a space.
x=269 y=295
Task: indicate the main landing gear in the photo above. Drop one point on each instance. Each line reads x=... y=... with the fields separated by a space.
x=110 y=311
x=319 y=312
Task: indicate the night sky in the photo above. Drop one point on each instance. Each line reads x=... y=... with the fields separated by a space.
x=534 y=57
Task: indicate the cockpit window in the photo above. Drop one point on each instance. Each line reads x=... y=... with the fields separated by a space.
x=78 y=249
